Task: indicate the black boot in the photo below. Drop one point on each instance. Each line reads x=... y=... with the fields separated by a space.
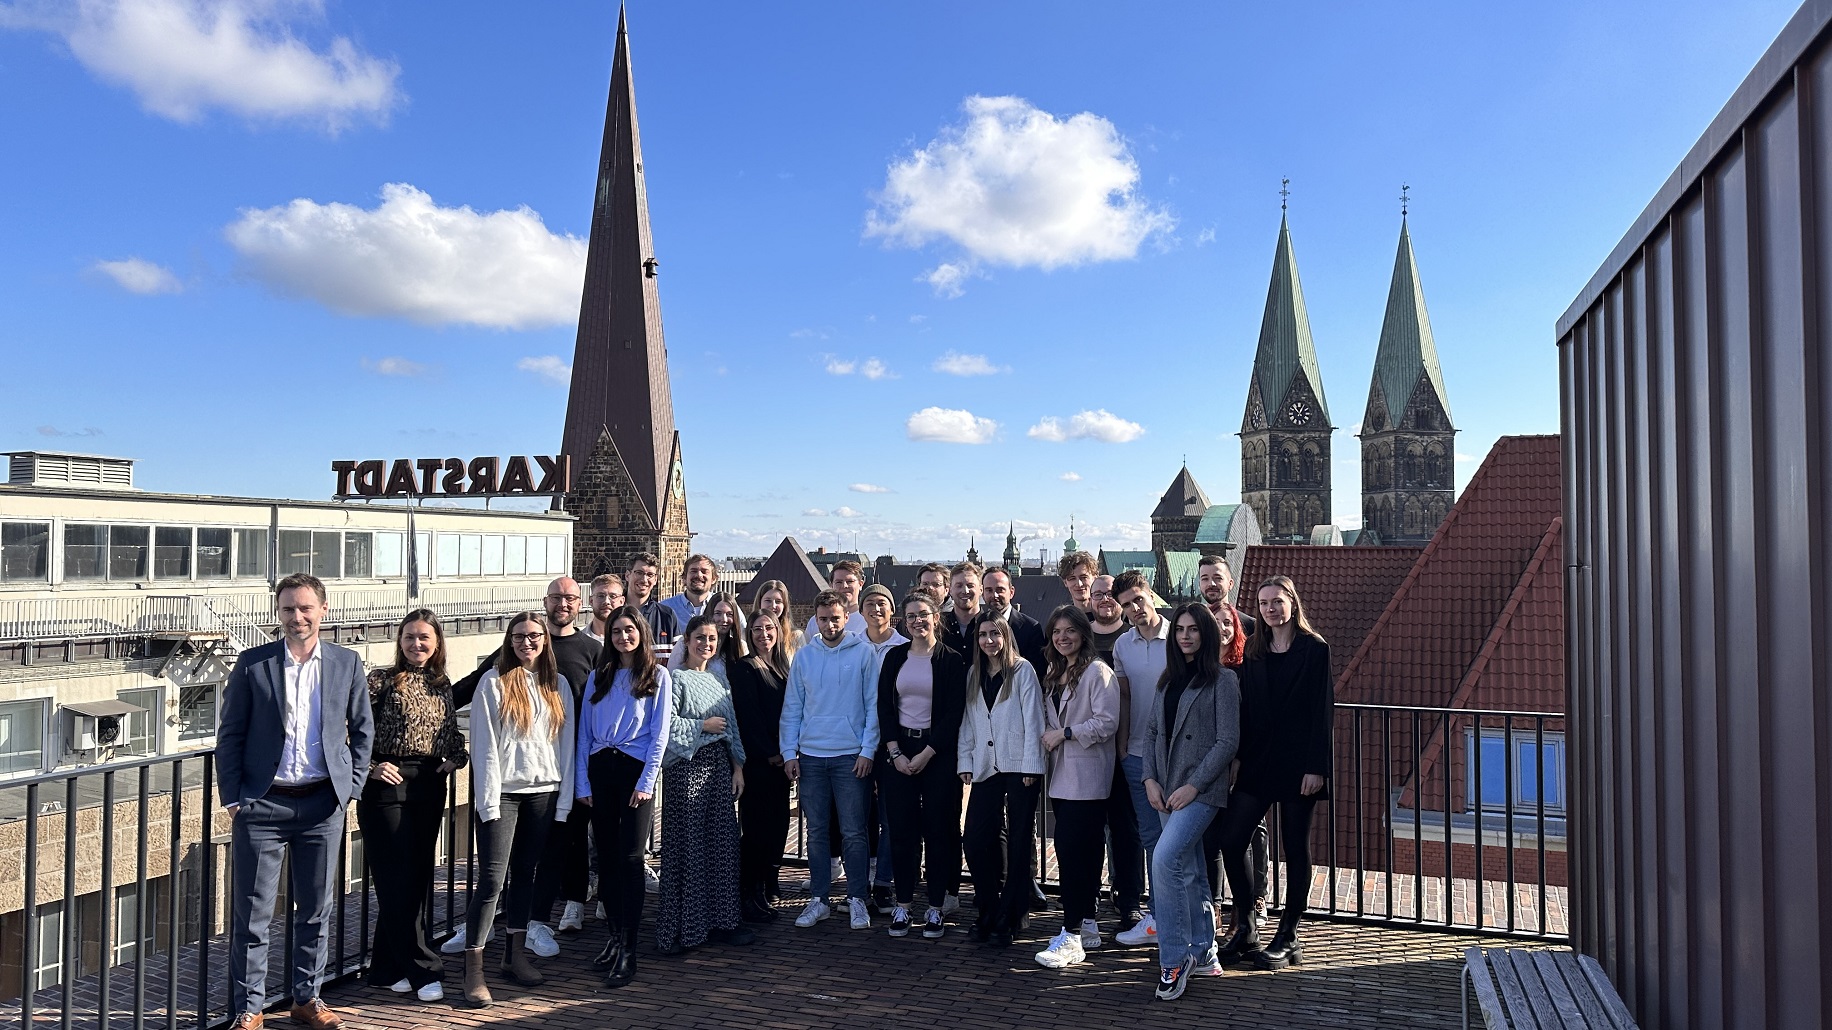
x=612 y=948
x=1244 y=942
x=623 y=970
x=755 y=908
x=1284 y=949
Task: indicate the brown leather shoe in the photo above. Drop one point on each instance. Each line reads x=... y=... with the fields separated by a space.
x=316 y=1015
x=248 y=1021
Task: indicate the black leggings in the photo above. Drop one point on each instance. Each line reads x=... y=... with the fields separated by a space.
x=1211 y=857
x=999 y=844
x=763 y=820
x=621 y=833
x=1080 y=845
x=561 y=874
x=1239 y=820
x=924 y=813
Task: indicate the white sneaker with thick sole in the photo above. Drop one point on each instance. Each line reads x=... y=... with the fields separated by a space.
x=401 y=986
x=861 y=913
x=454 y=945
x=1064 y=950
x=816 y=911
x=541 y=942
x=1090 y=935
x=434 y=991
x=572 y=920
x=1146 y=932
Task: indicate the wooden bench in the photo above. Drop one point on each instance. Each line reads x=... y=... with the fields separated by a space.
x=1540 y=990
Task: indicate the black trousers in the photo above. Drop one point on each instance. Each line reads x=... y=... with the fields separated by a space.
x=763 y=822
x=621 y=833
x=563 y=872
x=1127 y=859
x=1239 y=820
x=1257 y=854
x=923 y=813
x=508 y=848
x=400 y=824
x=1080 y=842
x=1001 y=817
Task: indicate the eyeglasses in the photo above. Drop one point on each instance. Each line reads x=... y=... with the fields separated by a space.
x=1102 y=593
x=566 y=598
x=527 y=638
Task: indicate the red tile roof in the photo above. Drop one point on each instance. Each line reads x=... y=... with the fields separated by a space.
x=1344 y=588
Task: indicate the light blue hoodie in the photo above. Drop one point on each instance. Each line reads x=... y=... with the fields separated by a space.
x=830 y=706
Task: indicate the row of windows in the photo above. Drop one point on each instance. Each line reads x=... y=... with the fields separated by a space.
x=27 y=739
x=135 y=553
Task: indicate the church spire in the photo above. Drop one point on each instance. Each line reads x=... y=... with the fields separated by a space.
x=1408 y=356
x=1285 y=362
x=620 y=363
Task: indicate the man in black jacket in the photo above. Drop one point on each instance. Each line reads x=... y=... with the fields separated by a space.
x=995 y=592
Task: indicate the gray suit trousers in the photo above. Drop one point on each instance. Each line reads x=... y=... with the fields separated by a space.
x=312 y=827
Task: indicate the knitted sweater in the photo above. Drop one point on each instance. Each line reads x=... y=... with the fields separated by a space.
x=696 y=697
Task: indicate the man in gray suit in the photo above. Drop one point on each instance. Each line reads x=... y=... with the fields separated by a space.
x=292 y=751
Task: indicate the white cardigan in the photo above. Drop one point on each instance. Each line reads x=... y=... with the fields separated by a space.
x=1009 y=737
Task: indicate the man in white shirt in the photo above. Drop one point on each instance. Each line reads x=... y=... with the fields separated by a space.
x=848 y=579
x=1139 y=657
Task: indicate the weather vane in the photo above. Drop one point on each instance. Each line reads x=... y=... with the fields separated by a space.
x=1284 y=192
x=1403 y=200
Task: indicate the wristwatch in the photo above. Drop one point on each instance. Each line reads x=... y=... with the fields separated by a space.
x=1068 y=733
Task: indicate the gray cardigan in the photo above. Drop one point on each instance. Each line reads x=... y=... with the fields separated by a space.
x=1199 y=748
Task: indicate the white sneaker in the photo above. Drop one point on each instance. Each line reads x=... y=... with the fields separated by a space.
x=1146 y=932
x=650 y=881
x=455 y=943
x=1064 y=950
x=861 y=913
x=434 y=991
x=1208 y=965
x=1090 y=935
x=401 y=986
x=541 y=942
x=816 y=911
x=573 y=918
x=836 y=870
x=603 y=917
x=950 y=904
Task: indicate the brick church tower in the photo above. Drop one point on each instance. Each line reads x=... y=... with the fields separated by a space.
x=1407 y=440
x=627 y=491
x=1285 y=432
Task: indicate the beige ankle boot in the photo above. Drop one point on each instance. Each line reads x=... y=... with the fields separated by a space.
x=516 y=965
x=476 y=992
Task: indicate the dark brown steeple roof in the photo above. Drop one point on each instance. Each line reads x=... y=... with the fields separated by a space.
x=1183 y=497
x=620 y=364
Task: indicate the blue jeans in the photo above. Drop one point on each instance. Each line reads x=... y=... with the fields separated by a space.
x=828 y=782
x=1133 y=766
x=1180 y=885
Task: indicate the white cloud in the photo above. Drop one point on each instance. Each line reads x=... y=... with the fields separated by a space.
x=410 y=258
x=185 y=57
x=947 y=278
x=1100 y=424
x=870 y=368
x=1461 y=457
x=869 y=488
x=1017 y=186
x=1070 y=477
x=412 y=369
x=1206 y=236
x=875 y=369
x=814 y=513
x=548 y=367
x=54 y=431
x=138 y=275
x=955 y=363
x=848 y=513
x=950 y=425
x=836 y=367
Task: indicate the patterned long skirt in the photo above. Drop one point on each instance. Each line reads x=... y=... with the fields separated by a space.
x=699 y=891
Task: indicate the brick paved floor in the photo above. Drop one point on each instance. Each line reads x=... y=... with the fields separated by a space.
x=831 y=976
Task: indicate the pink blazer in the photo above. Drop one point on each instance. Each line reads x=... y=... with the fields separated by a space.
x=1081 y=769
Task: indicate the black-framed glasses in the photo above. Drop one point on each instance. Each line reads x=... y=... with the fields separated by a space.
x=527 y=638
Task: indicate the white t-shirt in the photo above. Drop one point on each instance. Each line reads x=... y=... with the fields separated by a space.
x=1140 y=661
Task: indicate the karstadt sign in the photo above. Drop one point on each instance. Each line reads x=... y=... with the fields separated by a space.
x=518 y=476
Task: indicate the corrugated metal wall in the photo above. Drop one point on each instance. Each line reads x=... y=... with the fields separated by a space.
x=1695 y=385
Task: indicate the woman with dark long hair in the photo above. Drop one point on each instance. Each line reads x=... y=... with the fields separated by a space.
x=1233 y=653
x=1000 y=754
x=723 y=610
x=522 y=736
x=417 y=746
x=704 y=767
x=1190 y=741
x=623 y=735
x=763 y=810
x=1081 y=715
x=1287 y=750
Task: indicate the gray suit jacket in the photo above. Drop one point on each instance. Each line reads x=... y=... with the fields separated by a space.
x=253 y=730
x=1199 y=748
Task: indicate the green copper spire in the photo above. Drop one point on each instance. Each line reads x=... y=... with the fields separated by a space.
x=1286 y=352
x=1407 y=351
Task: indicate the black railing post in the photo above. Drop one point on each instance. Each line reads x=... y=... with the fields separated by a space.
x=28 y=984
x=207 y=904
x=1507 y=742
x=1386 y=802
x=1539 y=766
x=1450 y=868
x=174 y=926
x=1476 y=759
x=1361 y=798
x=1418 y=817
x=104 y=996
x=142 y=936
x=69 y=963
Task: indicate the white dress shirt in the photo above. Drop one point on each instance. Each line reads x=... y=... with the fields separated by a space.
x=302 y=753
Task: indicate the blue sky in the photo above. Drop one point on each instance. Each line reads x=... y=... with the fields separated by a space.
x=245 y=238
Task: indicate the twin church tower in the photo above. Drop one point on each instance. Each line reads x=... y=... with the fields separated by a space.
x=1407 y=452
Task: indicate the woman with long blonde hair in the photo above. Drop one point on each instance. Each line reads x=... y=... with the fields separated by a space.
x=773 y=596
x=522 y=736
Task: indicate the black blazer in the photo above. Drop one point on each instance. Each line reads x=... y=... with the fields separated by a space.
x=1027 y=631
x=945 y=711
x=757 y=700
x=252 y=736
x=1286 y=734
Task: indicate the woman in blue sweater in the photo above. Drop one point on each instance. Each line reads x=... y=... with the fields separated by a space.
x=623 y=735
x=705 y=770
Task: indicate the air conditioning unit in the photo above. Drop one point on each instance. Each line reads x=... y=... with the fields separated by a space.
x=96 y=724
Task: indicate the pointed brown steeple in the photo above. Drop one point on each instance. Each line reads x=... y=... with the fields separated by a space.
x=620 y=363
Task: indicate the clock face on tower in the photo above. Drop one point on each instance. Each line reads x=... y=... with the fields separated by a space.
x=1298 y=413
x=675 y=484
x=1256 y=416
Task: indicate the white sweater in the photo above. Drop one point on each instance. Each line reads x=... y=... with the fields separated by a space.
x=1008 y=738
x=506 y=762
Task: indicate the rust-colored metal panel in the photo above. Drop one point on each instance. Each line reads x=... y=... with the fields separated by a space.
x=1694 y=382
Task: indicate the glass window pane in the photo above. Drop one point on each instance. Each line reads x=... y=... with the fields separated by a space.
x=295 y=551
x=422 y=556
x=126 y=923
x=22 y=725
x=537 y=556
x=327 y=555
x=172 y=552
x=492 y=555
x=389 y=557
x=25 y=551
x=85 y=552
x=47 y=965
x=197 y=712
x=448 y=554
x=140 y=730
x=1494 y=757
x=515 y=555
x=358 y=555
x=251 y=553
x=556 y=556
x=127 y=547
x=470 y=554
x=213 y=554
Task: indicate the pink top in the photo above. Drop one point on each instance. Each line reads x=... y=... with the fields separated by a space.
x=915 y=691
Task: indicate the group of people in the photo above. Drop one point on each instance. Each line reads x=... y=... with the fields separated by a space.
x=1159 y=742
